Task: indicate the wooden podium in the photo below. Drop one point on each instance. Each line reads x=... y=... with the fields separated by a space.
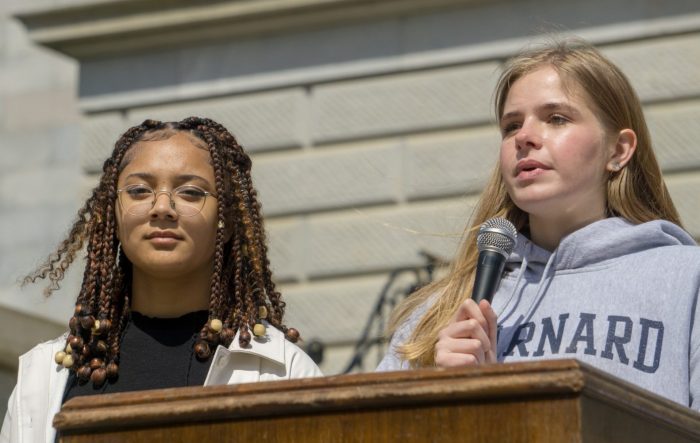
x=552 y=401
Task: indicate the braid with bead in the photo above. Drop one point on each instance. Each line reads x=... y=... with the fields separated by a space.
x=242 y=292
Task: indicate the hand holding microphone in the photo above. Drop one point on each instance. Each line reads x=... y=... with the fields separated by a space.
x=470 y=338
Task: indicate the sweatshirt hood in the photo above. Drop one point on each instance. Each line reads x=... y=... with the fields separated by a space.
x=597 y=243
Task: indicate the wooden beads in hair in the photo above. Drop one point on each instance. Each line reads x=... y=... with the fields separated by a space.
x=86 y=347
x=244 y=338
x=202 y=350
x=292 y=335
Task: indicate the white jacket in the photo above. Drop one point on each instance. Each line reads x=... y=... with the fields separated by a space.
x=41 y=382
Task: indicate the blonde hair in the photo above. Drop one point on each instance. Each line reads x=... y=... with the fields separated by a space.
x=636 y=193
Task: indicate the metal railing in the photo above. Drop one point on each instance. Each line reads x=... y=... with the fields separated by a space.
x=401 y=283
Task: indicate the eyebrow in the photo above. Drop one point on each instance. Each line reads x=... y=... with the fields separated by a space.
x=549 y=106
x=179 y=178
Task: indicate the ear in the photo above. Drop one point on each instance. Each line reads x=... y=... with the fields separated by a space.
x=622 y=151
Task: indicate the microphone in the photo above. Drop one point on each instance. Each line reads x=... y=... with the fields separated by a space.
x=495 y=242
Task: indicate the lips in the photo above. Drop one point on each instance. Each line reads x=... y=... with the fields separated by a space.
x=528 y=168
x=163 y=234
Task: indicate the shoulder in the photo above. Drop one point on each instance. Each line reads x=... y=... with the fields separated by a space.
x=38 y=392
x=660 y=239
x=392 y=360
x=298 y=363
x=38 y=366
x=43 y=351
x=683 y=256
x=406 y=328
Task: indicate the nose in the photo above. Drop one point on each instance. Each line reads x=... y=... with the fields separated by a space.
x=163 y=207
x=528 y=136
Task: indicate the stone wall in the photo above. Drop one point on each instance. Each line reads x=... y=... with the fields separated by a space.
x=370 y=139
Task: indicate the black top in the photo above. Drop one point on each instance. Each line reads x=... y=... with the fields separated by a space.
x=154 y=353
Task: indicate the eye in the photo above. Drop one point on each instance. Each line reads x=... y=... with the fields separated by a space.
x=139 y=192
x=558 y=119
x=509 y=128
x=190 y=193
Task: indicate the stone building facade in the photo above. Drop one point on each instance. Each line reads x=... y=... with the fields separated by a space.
x=369 y=123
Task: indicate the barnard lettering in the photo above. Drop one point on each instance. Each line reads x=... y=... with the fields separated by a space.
x=616 y=331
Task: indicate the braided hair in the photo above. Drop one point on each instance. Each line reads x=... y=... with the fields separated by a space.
x=241 y=287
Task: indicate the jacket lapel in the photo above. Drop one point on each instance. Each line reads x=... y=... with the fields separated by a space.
x=243 y=365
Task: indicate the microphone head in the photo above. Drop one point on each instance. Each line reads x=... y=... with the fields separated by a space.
x=497 y=235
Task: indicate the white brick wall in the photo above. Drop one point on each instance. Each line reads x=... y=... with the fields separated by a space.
x=99 y=134
x=310 y=181
x=333 y=312
x=663 y=68
x=336 y=312
x=675 y=130
x=436 y=166
x=383 y=239
x=403 y=103
x=685 y=191
x=365 y=240
x=285 y=248
x=259 y=121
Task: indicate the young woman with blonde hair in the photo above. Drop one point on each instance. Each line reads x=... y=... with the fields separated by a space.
x=602 y=270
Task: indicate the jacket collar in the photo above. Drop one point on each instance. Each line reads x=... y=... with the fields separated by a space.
x=271 y=346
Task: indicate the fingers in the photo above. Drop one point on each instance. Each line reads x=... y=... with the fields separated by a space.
x=450 y=353
x=492 y=330
x=470 y=310
x=466 y=329
x=470 y=338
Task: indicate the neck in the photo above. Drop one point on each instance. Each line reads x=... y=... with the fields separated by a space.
x=170 y=296
x=547 y=232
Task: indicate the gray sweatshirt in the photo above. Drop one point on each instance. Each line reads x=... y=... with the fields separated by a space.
x=618 y=296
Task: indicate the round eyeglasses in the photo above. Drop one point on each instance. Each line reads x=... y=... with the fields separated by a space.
x=186 y=200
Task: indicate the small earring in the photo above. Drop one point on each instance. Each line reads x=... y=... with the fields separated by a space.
x=221 y=224
x=616 y=167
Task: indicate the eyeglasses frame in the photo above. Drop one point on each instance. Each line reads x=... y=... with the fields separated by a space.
x=156 y=194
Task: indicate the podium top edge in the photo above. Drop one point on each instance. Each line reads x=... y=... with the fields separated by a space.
x=524 y=381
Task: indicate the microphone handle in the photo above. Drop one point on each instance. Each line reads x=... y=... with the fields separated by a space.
x=489 y=270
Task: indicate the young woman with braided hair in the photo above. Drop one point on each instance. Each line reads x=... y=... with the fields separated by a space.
x=176 y=279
